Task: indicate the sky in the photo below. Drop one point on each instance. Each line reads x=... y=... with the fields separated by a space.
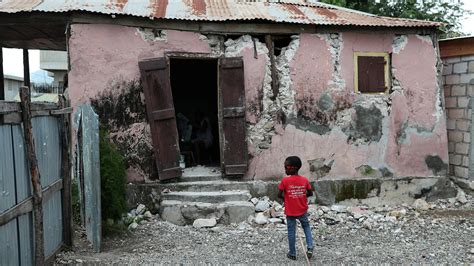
x=13 y=58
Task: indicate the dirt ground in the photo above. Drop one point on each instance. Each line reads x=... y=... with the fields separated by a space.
x=442 y=234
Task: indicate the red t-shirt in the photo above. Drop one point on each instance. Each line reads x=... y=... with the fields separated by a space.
x=295 y=187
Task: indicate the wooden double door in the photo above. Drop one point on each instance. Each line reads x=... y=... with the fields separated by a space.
x=155 y=75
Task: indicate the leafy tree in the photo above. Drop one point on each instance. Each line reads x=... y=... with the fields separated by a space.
x=440 y=11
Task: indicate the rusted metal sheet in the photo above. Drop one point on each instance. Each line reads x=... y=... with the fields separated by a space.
x=161 y=115
x=234 y=150
x=286 y=11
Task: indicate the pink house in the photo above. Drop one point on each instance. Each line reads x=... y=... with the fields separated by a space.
x=353 y=94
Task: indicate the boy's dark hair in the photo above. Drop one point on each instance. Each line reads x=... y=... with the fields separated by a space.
x=294 y=161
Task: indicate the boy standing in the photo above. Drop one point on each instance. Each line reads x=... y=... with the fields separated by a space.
x=295 y=189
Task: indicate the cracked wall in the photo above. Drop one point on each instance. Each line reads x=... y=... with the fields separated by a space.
x=316 y=114
x=104 y=71
x=343 y=134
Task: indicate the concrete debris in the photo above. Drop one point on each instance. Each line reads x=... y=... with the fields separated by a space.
x=260 y=218
x=148 y=215
x=254 y=201
x=140 y=209
x=133 y=226
x=262 y=206
x=441 y=235
x=421 y=204
x=275 y=220
x=204 y=223
x=137 y=217
x=338 y=208
x=398 y=213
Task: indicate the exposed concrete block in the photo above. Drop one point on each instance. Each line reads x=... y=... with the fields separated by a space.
x=447 y=90
x=456 y=113
x=466 y=78
x=452 y=79
x=452 y=60
x=471 y=67
x=462 y=125
x=467 y=58
x=467 y=137
x=455 y=136
x=462 y=148
x=455 y=159
x=460 y=171
x=470 y=90
x=463 y=101
x=451 y=102
x=451 y=147
x=465 y=161
x=451 y=124
x=448 y=69
x=458 y=90
x=459 y=68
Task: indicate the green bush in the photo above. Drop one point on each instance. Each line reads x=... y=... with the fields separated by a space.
x=112 y=175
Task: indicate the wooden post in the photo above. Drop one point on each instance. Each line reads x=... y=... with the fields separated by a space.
x=66 y=174
x=2 y=78
x=26 y=70
x=35 y=175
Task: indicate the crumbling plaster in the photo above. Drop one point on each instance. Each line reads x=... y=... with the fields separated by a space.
x=316 y=114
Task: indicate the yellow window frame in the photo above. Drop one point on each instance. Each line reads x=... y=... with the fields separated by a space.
x=386 y=57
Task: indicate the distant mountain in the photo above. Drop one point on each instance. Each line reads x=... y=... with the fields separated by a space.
x=41 y=77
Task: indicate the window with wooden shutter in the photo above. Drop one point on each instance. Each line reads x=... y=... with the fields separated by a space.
x=371 y=73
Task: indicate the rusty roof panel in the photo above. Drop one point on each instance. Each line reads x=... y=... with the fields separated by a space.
x=283 y=11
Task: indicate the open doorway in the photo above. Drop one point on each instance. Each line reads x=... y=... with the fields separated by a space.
x=194 y=90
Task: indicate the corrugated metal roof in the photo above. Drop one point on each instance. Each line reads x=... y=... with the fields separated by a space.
x=285 y=11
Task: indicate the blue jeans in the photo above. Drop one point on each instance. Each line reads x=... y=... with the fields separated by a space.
x=291 y=224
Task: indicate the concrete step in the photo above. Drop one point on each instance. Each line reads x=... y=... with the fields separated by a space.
x=183 y=213
x=197 y=178
x=207 y=196
x=200 y=173
x=202 y=186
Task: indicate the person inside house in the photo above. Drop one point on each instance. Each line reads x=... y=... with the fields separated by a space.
x=202 y=140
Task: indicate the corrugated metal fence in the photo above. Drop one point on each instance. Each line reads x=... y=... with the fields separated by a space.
x=16 y=204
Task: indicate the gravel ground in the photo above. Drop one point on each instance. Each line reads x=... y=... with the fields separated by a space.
x=442 y=234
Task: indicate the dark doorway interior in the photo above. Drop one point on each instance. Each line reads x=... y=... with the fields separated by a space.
x=194 y=87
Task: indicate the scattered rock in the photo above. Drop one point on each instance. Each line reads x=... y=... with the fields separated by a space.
x=367 y=225
x=148 y=215
x=132 y=226
x=140 y=209
x=338 y=208
x=262 y=206
x=421 y=204
x=204 y=223
x=461 y=197
x=260 y=218
x=398 y=213
x=254 y=201
x=275 y=220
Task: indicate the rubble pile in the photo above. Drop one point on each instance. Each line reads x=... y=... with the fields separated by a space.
x=136 y=216
x=267 y=212
x=358 y=216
